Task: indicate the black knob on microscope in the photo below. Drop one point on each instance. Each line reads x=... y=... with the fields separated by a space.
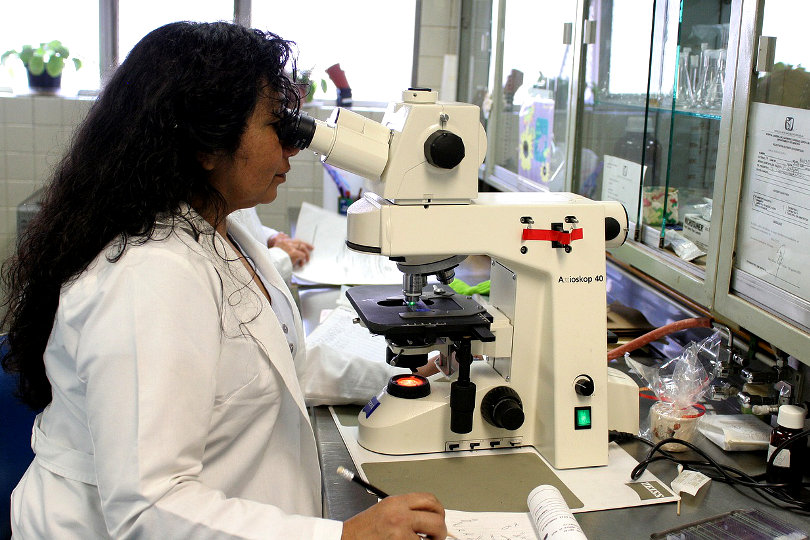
x=502 y=408
x=584 y=385
x=444 y=149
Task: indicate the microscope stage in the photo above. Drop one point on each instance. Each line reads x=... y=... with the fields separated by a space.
x=383 y=310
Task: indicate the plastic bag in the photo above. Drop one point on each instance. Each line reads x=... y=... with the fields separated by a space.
x=685 y=379
x=682 y=246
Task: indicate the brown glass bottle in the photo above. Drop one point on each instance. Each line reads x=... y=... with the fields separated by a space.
x=787 y=465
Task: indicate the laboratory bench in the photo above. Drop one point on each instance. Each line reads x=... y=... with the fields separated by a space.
x=343 y=499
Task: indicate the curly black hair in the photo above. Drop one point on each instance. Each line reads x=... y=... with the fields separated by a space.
x=186 y=89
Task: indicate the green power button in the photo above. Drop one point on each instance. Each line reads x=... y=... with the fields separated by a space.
x=582 y=418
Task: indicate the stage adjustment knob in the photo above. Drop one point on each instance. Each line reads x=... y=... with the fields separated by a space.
x=502 y=408
x=584 y=385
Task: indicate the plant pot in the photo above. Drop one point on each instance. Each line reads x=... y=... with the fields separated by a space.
x=44 y=82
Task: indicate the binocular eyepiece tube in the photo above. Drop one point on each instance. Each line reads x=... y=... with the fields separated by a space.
x=347 y=140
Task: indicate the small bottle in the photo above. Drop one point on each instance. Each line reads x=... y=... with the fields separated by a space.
x=787 y=465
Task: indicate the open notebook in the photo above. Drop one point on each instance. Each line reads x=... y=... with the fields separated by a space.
x=548 y=518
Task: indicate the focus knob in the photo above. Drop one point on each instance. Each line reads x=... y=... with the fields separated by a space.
x=502 y=408
x=584 y=385
x=444 y=149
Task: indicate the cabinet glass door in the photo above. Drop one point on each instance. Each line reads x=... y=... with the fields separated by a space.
x=528 y=117
x=687 y=89
x=770 y=258
x=614 y=149
x=649 y=129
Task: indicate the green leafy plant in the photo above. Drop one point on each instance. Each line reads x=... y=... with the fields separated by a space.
x=48 y=57
x=304 y=79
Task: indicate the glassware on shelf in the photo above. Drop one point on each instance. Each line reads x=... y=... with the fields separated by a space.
x=701 y=74
x=713 y=91
x=686 y=91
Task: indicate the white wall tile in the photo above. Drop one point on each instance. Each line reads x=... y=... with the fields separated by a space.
x=3 y=199
x=6 y=246
x=19 y=191
x=296 y=196
x=20 y=166
x=279 y=222
x=439 y=12
x=3 y=175
x=2 y=125
x=434 y=41
x=47 y=110
x=75 y=110
x=46 y=138
x=43 y=167
x=280 y=204
x=430 y=72
x=19 y=110
x=304 y=175
x=8 y=217
x=19 y=138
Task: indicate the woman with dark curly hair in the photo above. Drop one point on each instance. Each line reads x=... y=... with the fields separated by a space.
x=163 y=345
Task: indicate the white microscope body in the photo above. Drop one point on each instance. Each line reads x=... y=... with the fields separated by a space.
x=544 y=378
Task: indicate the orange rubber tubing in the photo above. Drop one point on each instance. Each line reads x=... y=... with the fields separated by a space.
x=700 y=322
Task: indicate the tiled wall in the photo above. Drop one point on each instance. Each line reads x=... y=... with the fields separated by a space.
x=35 y=131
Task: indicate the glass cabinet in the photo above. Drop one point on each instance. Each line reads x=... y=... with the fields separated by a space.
x=763 y=278
x=620 y=100
x=649 y=124
x=677 y=109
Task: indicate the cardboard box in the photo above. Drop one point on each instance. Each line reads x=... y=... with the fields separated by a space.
x=653 y=202
x=696 y=229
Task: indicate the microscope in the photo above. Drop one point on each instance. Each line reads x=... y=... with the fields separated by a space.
x=528 y=367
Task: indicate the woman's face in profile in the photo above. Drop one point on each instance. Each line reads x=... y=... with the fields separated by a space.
x=260 y=164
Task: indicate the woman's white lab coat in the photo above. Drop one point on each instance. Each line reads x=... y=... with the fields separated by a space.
x=178 y=409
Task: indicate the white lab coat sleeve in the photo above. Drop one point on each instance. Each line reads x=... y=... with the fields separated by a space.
x=330 y=376
x=249 y=218
x=148 y=356
x=283 y=263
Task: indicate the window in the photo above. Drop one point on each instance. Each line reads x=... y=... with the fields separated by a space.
x=74 y=23
x=139 y=17
x=371 y=40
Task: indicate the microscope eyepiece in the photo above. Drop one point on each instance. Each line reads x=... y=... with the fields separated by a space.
x=295 y=130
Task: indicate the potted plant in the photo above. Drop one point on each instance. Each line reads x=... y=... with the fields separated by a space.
x=307 y=85
x=44 y=64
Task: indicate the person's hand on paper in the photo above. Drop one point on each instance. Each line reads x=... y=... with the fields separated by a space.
x=298 y=250
x=399 y=516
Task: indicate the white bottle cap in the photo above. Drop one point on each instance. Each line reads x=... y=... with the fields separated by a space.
x=791 y=417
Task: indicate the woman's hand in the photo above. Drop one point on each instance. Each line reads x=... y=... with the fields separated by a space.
x=298 y=250
x=399 y=516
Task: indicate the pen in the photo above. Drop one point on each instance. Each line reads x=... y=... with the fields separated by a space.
x=351 y=477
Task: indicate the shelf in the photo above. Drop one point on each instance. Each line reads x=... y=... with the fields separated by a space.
x=679 y=111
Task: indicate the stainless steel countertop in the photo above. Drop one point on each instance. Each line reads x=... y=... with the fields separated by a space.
x=344 y=499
